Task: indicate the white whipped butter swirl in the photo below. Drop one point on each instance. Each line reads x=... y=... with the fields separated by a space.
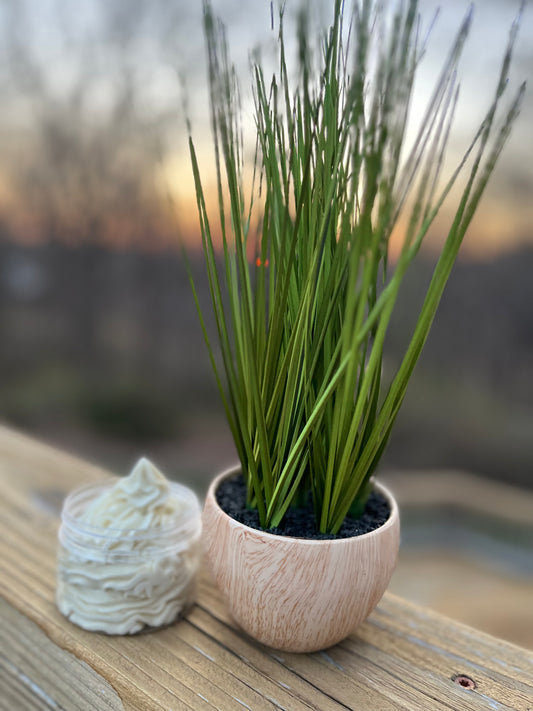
x=127 y=558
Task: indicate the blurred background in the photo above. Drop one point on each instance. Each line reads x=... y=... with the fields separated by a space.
x=101 y=350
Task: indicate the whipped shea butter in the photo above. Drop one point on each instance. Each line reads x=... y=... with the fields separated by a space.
x=128 y=552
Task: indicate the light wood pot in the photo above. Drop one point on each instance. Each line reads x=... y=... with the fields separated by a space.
x=296 y=594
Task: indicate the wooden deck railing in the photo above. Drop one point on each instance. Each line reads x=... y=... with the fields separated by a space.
x=403 y=657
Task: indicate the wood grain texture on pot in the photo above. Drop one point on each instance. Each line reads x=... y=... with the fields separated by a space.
x=298 y=594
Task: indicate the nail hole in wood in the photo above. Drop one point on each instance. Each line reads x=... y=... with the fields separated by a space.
x=465 y=681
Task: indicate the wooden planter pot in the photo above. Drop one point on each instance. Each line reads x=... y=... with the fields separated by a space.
x=295 y=594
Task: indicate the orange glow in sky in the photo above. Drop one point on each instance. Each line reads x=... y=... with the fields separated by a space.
x=66 y=159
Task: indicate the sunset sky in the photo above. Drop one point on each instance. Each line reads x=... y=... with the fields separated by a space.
x=92 y=96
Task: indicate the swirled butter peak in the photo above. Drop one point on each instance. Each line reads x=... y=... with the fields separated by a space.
x=141 y=501
x=130 y=560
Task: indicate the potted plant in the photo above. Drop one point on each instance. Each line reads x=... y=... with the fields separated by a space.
x=303 y=289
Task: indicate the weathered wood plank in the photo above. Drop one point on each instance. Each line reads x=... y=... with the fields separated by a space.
x=42 y=675
x=460 y=490
x=264 y=663
x=404 y=657
x=423 y=629
x=17 y=692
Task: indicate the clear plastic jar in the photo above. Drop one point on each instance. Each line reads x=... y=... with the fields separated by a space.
x=121 y=581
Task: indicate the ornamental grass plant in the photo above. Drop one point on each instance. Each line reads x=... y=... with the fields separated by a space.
x=302 y=302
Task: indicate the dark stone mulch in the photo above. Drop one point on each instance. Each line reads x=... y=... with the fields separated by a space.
x=299 y=522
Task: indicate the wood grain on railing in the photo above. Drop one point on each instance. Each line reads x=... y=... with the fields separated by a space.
x=403 y=657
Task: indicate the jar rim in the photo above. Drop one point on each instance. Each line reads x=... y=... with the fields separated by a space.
x=87 y=492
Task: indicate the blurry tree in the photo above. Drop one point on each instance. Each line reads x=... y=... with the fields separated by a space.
x=93 y=99
x=84 y=136
x=91 y=116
